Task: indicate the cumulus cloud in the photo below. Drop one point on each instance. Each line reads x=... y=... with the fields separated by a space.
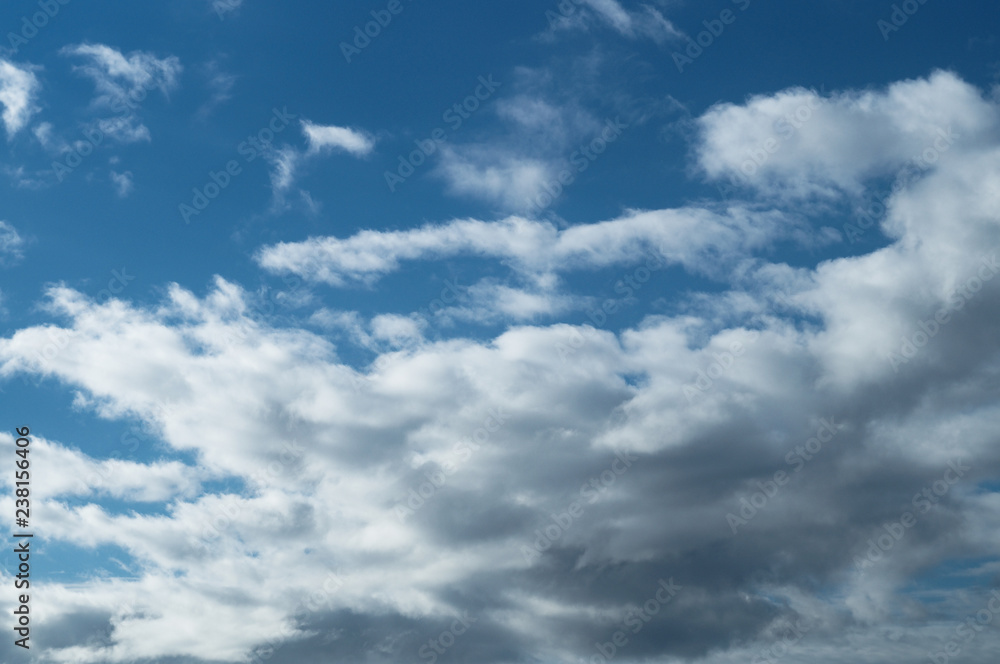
x=553 y=484
x=801 y=143
x=19 y=88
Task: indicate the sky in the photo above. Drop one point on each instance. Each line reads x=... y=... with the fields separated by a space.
x=521 y=332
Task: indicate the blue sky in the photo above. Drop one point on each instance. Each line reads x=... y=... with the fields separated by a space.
x=266 y=276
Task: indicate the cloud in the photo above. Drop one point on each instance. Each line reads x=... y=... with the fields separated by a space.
x=507 y=180
x=329 y=138
x=695 y=238
x=644 y=23
x=556 y=123
x=11 y=244
x=799 y=143
x=220 y=85
x=320 y=140
x=19 y=89
x=520 y=478
x=224 y=7
x=123 y=183
x=123 y=82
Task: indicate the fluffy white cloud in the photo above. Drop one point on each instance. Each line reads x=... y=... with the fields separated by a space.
x=509 y=181
x=800 y=143
x=524 y=478
x=19 y=89
x=325 y=138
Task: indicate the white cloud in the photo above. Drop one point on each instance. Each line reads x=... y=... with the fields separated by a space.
x=123 y=183
x=320 y=139
x=220 y=84
x=647 y=22
x=330 y=452
x=698 y=239
x=116 y=75
x=123 y=83
x=43 y=132
x=19 y=89
x=327 y=138
x=504 y=179
x=799 y=143
x=545 y=142
x=283 y=165
x=11 y=244
x=224 y=7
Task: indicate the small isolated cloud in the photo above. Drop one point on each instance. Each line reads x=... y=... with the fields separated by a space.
x=495 y=174
x=11 y=244
x=122 y=182
x=220 y=84
x=122 y=83
x=18 y=92
x=43 y=132
x=320 y=140
x=329 y=138
x=224 y=7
